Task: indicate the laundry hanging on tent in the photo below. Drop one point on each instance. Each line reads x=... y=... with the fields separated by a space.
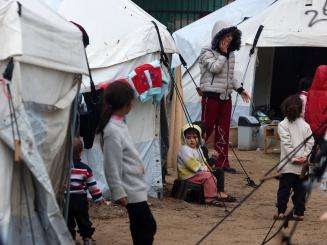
x=89 y=119
x=148 y=82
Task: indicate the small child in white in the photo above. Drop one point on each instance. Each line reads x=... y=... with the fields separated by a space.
x=293 y=130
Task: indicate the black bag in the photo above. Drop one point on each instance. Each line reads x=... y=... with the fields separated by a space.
x=89 y=121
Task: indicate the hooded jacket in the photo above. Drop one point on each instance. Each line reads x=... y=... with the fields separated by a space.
x=189 y=160
x=217 y=69
x=316 y=107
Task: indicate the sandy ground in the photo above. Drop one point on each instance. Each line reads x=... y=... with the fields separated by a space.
x=183 y=223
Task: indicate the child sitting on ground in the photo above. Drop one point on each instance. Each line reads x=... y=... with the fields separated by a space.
x=219 y=173
x=81 y=180
x=191 y=164
x=293 y=130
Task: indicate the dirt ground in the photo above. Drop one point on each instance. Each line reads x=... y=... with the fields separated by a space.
x=184 y=223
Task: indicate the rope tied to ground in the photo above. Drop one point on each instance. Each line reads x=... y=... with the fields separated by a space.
x=285 y=160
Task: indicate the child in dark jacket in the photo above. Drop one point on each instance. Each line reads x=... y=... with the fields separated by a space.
x=81 y=180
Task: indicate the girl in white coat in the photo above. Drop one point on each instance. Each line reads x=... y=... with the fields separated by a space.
x=293 y=130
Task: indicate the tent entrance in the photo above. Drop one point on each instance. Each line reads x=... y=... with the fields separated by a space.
x=278 y=72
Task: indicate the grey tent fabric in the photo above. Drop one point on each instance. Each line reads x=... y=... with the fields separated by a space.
x=43 y=86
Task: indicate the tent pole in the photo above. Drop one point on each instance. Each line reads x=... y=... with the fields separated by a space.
x=72 y=136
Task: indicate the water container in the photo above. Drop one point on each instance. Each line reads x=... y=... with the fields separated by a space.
x=248 y=130
x=261 y=138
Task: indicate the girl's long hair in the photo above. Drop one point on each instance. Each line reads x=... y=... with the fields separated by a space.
x=116 y=95
x=292 y=107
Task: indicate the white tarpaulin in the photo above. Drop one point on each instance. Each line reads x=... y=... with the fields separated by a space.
x=19 y=35
x=122 y=37
x=288 y=23
x=119 y=31
x=47 y=52
x=192 y=38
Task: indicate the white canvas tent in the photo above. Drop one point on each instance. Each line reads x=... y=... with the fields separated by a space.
x=121 y=38
x=192 y=38
x=47 y=53
x=291 y=24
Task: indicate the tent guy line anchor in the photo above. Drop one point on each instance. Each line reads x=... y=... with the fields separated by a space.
x=316 y=176
x=284 y=160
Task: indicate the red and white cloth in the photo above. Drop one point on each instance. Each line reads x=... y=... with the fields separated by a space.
x=147 y=80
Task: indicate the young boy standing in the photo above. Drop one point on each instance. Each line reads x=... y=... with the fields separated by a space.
x=81 y=180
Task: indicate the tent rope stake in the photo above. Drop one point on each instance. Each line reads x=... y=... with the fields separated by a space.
x=286 y=159
x=285 y=224
x=316 y=176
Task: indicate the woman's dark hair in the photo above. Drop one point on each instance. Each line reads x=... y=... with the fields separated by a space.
x=236 y=42
x=117 y=95
x=292 y=107
x=305 y=83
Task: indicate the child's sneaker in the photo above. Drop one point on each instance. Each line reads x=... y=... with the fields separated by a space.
x=297 y=217
x=279 y=216
x=88 y=241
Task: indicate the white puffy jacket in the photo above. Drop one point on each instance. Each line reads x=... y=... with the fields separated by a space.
x=217 y=71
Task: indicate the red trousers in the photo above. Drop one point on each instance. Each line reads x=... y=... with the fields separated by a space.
x=209 y=183
x=216 y=116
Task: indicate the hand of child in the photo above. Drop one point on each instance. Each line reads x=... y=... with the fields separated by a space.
x=122 y=201
x=223 y=45
x=245 y=97
x=214 y=153
x=103 y=202
x=205 y=168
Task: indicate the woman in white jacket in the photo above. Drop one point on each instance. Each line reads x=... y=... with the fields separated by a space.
x=216 y=85
x=293 y=130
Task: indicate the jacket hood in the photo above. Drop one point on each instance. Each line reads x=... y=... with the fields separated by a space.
x=320 y=79
x=190 y=126
x=219 y=30
x=316 y=107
